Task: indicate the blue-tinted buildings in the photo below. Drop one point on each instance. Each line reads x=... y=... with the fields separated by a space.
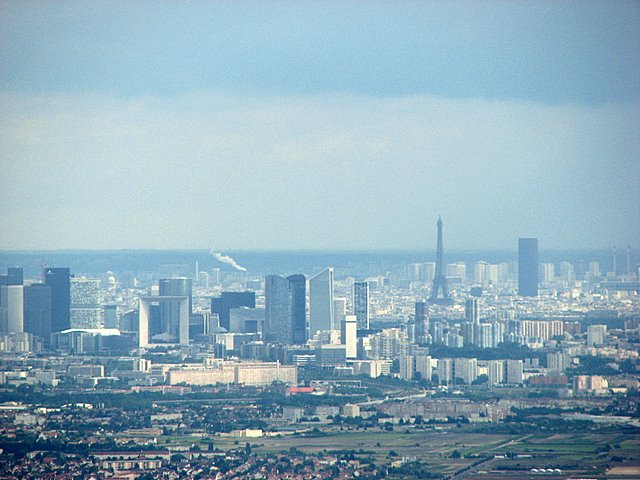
x=528 y=267
x=285 y=313
x=59 y=280
x=228 y=300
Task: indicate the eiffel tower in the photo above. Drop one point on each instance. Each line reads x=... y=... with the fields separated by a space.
x=439 y=280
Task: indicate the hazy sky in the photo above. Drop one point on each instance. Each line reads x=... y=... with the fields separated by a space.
x=333 y=125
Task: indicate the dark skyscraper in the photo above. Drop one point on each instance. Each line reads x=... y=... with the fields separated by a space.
x=421 y=321
x=439 y=290
x=228 y=300
x=299 y=307
x=14 y=276
x=59 y=280
x=284 y=308
x=528 y=267
x=37 y=311
x=278 y=319
x=361 y=304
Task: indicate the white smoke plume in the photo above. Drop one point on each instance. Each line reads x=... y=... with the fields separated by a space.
x=228 y=260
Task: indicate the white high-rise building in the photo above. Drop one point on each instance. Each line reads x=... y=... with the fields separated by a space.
x=204 y=279
x=216 y=277
x=548 y=272
x=466 y=369
x=429 y=271
x=567 y=273
x=415 y=272
x=472 y=311
x=450 y=270
x=540 y=330
x=492 y=274
x=497 y=331
x=454 y=340
x=484 y=336
x=86 y=303
x=457 y=270
x=495 y=371
x=594 y=269
x=12 y=308
x=515 y=371
x=390 y=343
x=423 y=366
x=486 y=274
x=461 y=270
x=407 y=367
x=146 y=334
x=557 y=361
x=321 y=315
x=349 y=336
x=480 y=273
x=596 y=335
x=445 y=371
x=503 y=272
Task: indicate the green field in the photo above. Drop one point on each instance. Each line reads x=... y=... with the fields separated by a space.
x=575 y=453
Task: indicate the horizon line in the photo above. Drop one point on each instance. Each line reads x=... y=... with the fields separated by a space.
x=620 y=250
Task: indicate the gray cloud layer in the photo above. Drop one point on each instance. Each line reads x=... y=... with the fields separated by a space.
x=334 y=171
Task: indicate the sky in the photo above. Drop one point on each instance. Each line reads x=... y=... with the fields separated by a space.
x=319 y=125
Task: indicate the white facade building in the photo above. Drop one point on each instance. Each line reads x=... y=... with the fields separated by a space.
x=466 y=369
x=515 y=371
x=423 y=367
x=321 y=315
x=407 y=367
x=495 y=370
x=86 y=303
x=11 y=309
x=445 y=371
x=349 y=336
x=596 y=335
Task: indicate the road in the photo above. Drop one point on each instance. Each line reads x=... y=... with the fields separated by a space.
x=473 y=470
x=421 y=394
x=486 y=462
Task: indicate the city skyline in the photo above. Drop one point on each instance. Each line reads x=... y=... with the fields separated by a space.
x=381 y=240
x=240 y=126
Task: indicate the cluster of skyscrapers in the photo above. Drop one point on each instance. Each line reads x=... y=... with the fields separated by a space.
x=39 y=308
x=294 y=310
x=62 y=302
x=285 y=308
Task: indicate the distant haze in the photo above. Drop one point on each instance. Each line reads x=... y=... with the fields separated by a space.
x=360 y=264
x=319 y=125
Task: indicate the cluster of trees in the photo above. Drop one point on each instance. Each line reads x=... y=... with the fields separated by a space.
x=505 y=350
x=590 y=365
x=57 y=398
x=412 y=470
x=302 y=401
x=25 y=443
